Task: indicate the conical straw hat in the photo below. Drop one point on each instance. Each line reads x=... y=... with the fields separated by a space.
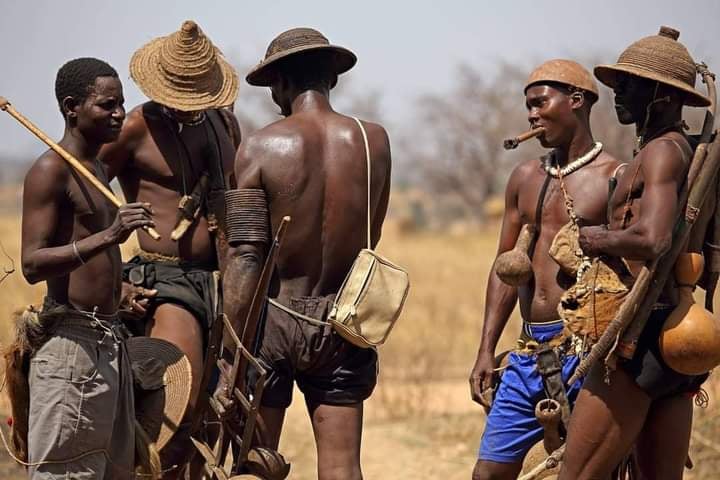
x=293 y=42
x=661 y=58
x=163 y=376
x=184 y=71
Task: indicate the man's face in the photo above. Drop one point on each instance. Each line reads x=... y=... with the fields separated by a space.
x=550 y=108
x=632 y=96
x=100 y=116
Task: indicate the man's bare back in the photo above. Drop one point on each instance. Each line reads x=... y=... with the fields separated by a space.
x=313 y=168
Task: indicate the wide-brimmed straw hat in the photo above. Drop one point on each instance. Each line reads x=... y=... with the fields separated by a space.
x=163 y=379
x=184 y=71
x=661 y=58
x=294 y=42
x=563 y=71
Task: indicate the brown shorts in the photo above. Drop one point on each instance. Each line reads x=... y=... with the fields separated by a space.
x=327 y=368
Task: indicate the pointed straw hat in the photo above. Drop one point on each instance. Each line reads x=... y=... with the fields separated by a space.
x=661 y=58
x=163 y=379
x=184 y=71
x=293 y=42
x=563 y=71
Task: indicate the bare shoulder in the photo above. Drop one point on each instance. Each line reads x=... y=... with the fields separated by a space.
x=48 y=174
x=280 y=139
x=665 y=157
x=135 y=126
x=605 y=164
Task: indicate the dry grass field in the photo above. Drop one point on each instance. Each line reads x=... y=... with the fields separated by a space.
x=420 y=422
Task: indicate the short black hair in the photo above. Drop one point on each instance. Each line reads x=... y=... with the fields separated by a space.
x=309 y=70
x=570 y=89
x=77 y=77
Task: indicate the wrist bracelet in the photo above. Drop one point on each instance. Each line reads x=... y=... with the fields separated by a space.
x=77 y=252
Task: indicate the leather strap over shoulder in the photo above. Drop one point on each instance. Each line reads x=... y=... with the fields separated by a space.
x=367 y=159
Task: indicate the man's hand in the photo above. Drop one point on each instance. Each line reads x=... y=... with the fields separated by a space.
x=590 y=239
x=482 y=380
x=136 y=299
x=130 y=217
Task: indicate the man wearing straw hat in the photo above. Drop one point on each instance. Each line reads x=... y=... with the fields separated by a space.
x=176 y=152
x=310 y=165
x=643 y=400
x=81 y=411
x=569 y=184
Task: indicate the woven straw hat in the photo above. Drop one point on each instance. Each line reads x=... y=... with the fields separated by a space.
x=661 y=58
x=162 y=373
x=293 y=42
x=563 y=71
x=184 y=71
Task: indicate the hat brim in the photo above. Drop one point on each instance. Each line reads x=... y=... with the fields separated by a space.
x=146 y=71
x=607 y=74
x=160 y=411
x=263 y=73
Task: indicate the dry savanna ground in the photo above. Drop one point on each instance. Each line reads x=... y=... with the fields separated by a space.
x=420 y=422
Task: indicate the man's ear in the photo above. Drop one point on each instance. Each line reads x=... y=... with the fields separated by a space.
x=577 y=100
x=69 y=107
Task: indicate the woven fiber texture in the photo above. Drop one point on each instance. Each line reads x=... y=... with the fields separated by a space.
x=661 y=58
x=563 y=71
x=162 y=373
x=294 y=42
x=184 y=71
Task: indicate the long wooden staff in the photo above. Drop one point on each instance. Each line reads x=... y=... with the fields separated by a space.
x=635 y=310
x=79 y=167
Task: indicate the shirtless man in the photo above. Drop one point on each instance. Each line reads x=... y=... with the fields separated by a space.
x=646 y=401
x=81 y=392
x=166 y=146
x=310 y=165
x=559 y=96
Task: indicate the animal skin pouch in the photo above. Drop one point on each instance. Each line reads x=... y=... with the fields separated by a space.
x=565 y=248
x=591 y=304
x=690 y=338
x=514 y=267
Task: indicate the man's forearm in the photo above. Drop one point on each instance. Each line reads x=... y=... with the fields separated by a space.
x=51 y=262
x=240 y=280
x=632 y=243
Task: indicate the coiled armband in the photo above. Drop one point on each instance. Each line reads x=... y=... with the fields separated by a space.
x=246 y=216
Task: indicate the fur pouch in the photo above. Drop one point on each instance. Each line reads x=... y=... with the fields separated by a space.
x=591 y=304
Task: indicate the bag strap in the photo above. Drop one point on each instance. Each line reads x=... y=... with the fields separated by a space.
x=538 y=215
x=367 y=159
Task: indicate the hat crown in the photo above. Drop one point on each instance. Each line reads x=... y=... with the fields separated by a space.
x=663 y=55
x=563 y=71
x=188 y=52
x=296 y=37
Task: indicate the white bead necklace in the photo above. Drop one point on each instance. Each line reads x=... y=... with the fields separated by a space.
x=579 y=162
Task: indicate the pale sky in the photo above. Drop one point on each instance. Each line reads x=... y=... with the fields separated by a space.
x=405 y=48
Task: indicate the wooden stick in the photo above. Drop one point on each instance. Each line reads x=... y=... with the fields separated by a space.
x=74 y=162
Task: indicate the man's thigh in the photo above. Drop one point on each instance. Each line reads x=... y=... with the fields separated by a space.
x=604 y=424
x=72 y=408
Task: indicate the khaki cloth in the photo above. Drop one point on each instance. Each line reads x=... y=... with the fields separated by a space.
x=81 y=400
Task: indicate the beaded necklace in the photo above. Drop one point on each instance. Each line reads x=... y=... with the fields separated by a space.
x=571 y=167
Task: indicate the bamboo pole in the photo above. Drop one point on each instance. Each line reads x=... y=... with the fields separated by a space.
x=74 y=162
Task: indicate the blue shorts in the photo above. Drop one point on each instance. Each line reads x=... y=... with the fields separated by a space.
x=511 y=428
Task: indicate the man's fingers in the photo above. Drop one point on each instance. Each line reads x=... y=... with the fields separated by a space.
x=138 y=206
x=148 y=292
